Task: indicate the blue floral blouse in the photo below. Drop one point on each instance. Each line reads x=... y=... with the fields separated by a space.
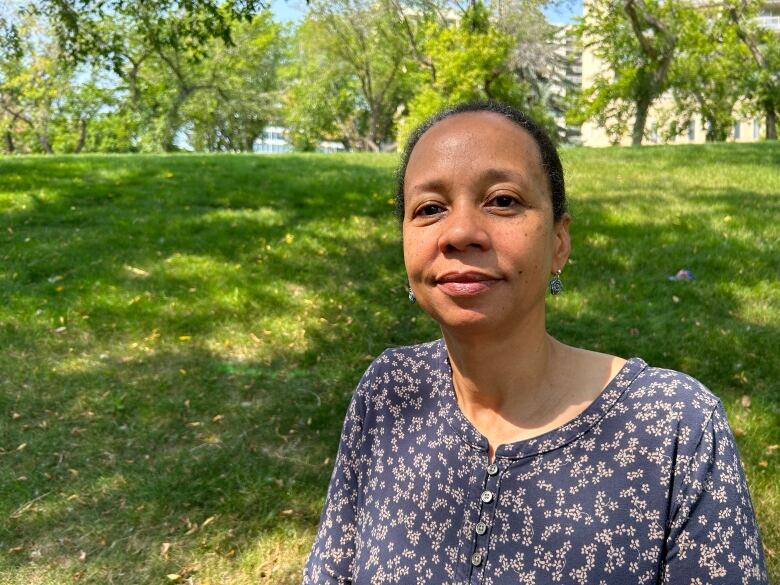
x=644 y=486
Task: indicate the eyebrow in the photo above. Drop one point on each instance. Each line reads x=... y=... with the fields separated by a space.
x=489 y=175
x=496 y=174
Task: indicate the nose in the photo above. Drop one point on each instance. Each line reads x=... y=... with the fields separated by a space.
x=463 y=229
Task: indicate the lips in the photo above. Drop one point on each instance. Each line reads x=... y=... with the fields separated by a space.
x=465 y=284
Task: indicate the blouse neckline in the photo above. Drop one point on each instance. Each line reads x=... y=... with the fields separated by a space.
x=547 y=441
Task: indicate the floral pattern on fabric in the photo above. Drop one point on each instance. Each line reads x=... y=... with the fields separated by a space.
x=645 y=486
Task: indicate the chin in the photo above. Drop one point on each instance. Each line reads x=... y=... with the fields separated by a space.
x=466 y=321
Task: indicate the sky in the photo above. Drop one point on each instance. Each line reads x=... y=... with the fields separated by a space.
x=562 y=13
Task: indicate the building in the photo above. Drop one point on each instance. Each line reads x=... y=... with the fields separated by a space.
x=744 y=130
x=274 y=140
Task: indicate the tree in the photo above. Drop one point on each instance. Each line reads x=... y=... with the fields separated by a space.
x=321 y=95
x=32 y=81
x=703 y=74
x=189 y=25
x=244 y=95
x=471 y=60
x=637 y=41
x=763 y=45
x=373 y=62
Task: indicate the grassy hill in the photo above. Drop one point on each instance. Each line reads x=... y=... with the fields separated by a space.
x=181 y=334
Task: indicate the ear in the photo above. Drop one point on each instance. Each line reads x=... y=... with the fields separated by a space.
x=561 y=242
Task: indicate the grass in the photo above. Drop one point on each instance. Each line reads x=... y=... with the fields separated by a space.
x=181 y=334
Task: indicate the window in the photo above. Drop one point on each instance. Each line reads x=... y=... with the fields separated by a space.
x=692 y=130
x=737 y=127
x=756 y=129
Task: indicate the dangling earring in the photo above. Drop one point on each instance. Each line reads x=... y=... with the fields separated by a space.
x=412 y=298
x=556 y=286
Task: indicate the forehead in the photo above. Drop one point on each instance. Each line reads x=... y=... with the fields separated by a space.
x=472 y=141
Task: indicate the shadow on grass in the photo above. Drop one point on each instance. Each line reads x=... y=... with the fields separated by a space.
x=182 y=334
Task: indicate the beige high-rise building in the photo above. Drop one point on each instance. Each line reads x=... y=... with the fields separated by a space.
x=745 y=130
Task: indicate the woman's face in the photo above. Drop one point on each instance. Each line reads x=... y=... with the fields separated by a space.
x=480 y=242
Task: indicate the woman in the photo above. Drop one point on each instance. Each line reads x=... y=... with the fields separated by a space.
x=499 y=454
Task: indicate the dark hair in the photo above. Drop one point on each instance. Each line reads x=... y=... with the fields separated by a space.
x=551 y=164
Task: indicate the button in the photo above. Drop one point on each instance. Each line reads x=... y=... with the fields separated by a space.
x=486 y=497
x=492 y=469
x=481 y=528
x=476 y=559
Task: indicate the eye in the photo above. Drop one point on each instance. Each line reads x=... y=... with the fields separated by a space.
x=503 y=200
x=430 y=209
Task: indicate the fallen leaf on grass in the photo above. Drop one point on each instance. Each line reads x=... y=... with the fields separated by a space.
x=763 y=463
x=21 y=447
x=166 y=546
x=208 y=521
x=82 y=556
x=772 y=448
x=745 y=401
x=136 y=271
x=15 y=550
x=173 y=577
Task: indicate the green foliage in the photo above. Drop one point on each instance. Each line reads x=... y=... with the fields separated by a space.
x=703 y=76
x=321 y=93
x=760 y=78
x=636 y=41
x=470 y=60
x=181 y=335
x=181 y=25
x=353 y=71
x=242 y=93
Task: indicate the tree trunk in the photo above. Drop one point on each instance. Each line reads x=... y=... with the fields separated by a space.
x=43 y=140
x=9 y=142
x=771 y=122
x=638 y=133
x=82 y=136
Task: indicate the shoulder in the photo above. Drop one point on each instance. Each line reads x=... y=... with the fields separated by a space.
x=655 y=383
x=673 y=401
x=402 y=372
x=406 y=360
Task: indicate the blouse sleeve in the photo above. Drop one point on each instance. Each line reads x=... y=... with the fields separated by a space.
x=332 y=556
x=713 y=537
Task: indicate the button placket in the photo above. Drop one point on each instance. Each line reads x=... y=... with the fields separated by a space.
x=488 y=500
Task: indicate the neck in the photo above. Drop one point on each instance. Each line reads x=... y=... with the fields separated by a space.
x=503 y=373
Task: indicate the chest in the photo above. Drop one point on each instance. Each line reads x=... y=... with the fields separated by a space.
x=432 y=509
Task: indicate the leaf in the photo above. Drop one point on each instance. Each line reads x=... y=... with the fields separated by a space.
x=139 y=272
x=173 y=577
x=745 y=401
x=164 y=548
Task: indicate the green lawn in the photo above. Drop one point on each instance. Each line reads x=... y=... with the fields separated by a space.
x=181 y=334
